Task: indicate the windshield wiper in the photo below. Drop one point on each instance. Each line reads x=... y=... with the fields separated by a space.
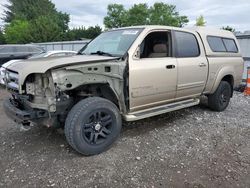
x=102 y=53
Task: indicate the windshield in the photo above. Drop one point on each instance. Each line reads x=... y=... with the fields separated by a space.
x=112 y=43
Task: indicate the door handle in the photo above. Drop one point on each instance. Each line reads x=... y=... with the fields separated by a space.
x=170 y=66
x=202 y=65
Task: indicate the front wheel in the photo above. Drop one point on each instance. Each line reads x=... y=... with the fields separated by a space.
x=92 y=125
x=219 y=100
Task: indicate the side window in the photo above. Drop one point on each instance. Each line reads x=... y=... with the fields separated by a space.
x=31 y=49
x=22 y=49
x=230 y=45
x=220 y=44
x=35 y=50
x=156 y=45
x=186 y=45
x=3 y=49
x=8 y=49
x=216 y=44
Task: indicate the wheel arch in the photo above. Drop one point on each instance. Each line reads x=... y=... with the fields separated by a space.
x=226 y=74
x=230 y=79
x=109 y=93
x=103 y=90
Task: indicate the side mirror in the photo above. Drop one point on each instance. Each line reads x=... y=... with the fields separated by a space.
x=137 y=53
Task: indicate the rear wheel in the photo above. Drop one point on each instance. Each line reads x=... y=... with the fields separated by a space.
x=219 y=100
x=93 y=125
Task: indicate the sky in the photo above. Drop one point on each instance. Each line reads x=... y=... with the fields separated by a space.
x=217 y=13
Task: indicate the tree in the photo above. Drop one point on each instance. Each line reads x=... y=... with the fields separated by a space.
x=141 y=14
x=200 y=21
x=116 y=16
x=44 y=29
x=228 y=28
x=39 y=19
x=165 y=14
x=17 y=32
x=33 y=9
x=137 y=15
x=82 y=32
x=92 y=32
x=2 y=39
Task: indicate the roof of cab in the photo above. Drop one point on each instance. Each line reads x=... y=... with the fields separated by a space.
x=202 y=30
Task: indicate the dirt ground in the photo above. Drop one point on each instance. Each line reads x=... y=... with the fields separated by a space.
x=193 y=147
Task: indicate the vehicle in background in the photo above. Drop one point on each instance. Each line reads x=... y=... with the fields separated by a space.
x=57 y=53
x=18 y=51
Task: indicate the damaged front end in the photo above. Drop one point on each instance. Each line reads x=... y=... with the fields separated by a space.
x=37 y=101
x=45 y=90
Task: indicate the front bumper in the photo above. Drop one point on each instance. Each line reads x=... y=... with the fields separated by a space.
x=20 y=116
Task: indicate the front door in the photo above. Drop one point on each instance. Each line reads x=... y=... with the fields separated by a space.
x=153 y=76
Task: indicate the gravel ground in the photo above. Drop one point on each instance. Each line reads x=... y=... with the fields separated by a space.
x=193 y=147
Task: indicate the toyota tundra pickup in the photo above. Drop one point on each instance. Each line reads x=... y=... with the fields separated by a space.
x=127 y=73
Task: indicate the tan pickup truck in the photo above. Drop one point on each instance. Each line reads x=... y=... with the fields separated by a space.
x=128 y=73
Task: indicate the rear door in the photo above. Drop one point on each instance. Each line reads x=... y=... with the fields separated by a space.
x=192 y=65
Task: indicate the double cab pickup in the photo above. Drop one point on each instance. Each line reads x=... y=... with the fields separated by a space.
x=124 y=74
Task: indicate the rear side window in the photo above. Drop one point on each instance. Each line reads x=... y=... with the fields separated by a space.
x=219 y=44
x=187 y=45
x=216 y=44
x=230 y=45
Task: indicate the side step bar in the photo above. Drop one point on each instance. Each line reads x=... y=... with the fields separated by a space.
x=161 y=109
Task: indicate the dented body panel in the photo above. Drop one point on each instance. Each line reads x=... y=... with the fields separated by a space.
x=42 y=65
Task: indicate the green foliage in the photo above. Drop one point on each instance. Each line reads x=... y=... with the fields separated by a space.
x=165 y=14
x=2 y=39
x=38 y=19
x=27 y=9
x=116 y=16
x=17 y=31
x=200 y=21
x=82 y=32
x=62 y=19
x=137 y=15
x=141 y=14
x=92 y=32
x=228 y=28
x=44 y=29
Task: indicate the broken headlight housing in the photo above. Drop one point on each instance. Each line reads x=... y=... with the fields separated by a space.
x=11 y=80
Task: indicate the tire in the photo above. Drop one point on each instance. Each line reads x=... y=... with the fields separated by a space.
x=93 y=125
x=219 y=100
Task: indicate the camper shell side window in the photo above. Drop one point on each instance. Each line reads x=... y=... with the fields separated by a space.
x=221 y=44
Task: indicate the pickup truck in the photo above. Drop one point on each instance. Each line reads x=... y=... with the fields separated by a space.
x=124 y=74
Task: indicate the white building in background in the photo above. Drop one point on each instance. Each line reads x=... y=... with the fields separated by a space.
x=244 y=41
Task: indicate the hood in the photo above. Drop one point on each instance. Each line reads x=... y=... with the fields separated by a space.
x=5 y=65
x=41 y=65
